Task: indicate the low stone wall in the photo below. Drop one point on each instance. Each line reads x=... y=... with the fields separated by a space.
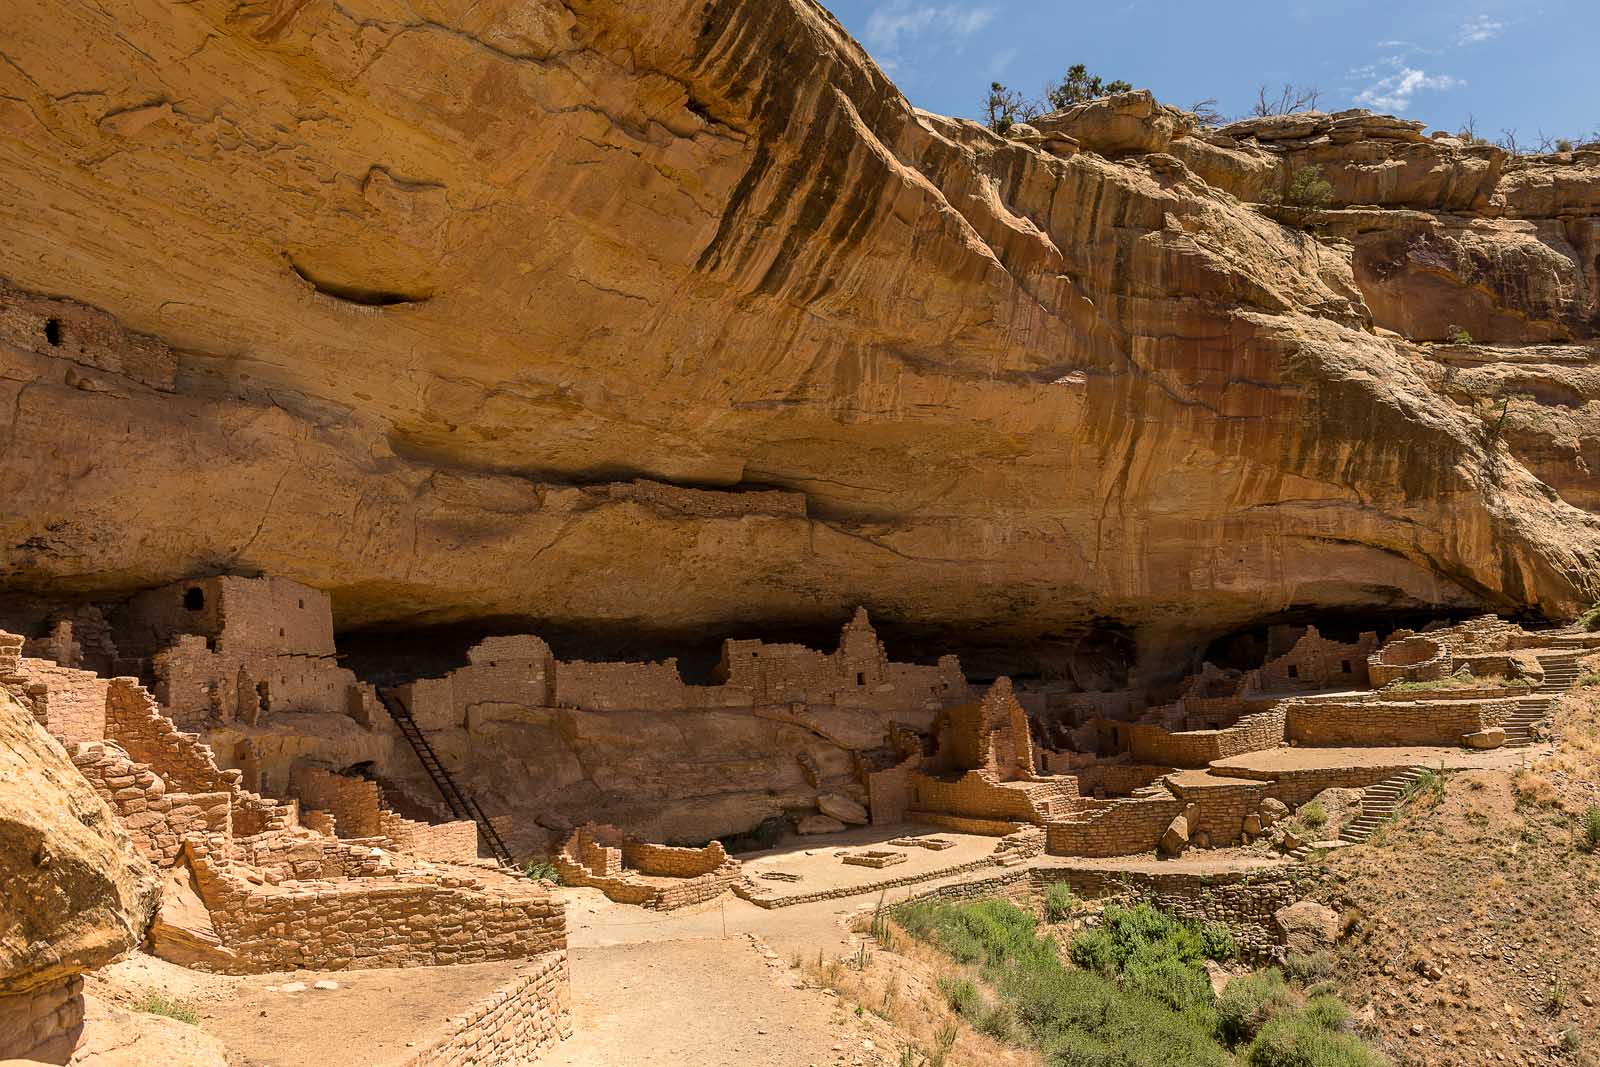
x=448 y=842
x=1197 y=748
x=411 y=920
x=1374 y=723
x=1296 y=787
x=513 y=1026
x=1223 y=804
x=652 y=876
x=354 y=803
x=42 y=1025
x=1411 y=658
x=978 y=794
x=1113 y=827
x=1243 y=901
x=751 y=891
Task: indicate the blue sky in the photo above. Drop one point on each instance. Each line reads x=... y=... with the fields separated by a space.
x=1525 y=66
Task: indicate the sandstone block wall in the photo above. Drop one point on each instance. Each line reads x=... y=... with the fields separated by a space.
x=76 y=700
x=156 y=820
x=1113 y=827
x=237 y=616
x=648 y=875
x=1197 y=748
x=620 y=686
x=1379 y=723
x=1410 y=658
x=354 y=803
x=449 y=842
x=1242 y=901
x=1295 y=787
x=414 y=919
x=1222 y=807
x=1317 y=663
x=513 y=1026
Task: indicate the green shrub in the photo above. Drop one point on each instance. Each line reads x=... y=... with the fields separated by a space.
x=1308 y=188
x=1326 y=1011
x=1059 y=902
x=1589 y=680
x=158 y=1004
x=1301 y=1041
x=1180 y=986
x=1458 y=335
x=1589 y=620
x=999 y=1023
x=542 y=871
x=1315 y=815
x=1249 y=1003
x=1591 y=828
x=1309 y=967
x=1218 y=941
x=962 y=996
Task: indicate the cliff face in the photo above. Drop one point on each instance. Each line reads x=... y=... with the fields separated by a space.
x=508 y=309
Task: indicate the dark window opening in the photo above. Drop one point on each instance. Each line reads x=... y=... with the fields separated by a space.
x=52 y=332
x=302 y=605
x=1294 y=672
x=280 y=631
x=1344 y=665
x=194 y=598
x=861 y=677
x=264 y=693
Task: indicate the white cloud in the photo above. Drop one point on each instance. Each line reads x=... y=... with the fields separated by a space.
x=1394 y=92
x=897 y=21
x=1479 y=28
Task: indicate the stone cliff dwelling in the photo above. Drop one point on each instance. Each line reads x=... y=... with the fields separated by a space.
x=593 y=533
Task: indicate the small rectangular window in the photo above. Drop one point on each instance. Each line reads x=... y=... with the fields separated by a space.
x=1294 y=672
x=861 y=677
x=1344 y=665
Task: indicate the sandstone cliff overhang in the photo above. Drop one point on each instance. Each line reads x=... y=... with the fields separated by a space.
x=392 y=303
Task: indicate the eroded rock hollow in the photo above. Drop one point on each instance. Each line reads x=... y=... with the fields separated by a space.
x=678 y=317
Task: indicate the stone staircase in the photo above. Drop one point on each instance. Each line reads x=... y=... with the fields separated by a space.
x=1561 y=673
x=1378 y=805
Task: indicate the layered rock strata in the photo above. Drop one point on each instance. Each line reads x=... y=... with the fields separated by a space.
x=678 y=315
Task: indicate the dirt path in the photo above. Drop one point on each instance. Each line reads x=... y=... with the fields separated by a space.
x=709 y=1003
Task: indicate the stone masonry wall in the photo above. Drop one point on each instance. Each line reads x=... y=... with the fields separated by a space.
x=1375 y=723
x=354 y=803
x=1317 y=663
x=1197 y=748
x=417 y=919
x=512 y=1027
x=449 y=842
x=1113 y=827
x=155 y=819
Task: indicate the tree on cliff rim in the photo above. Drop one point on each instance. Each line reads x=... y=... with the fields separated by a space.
x=1004 y=108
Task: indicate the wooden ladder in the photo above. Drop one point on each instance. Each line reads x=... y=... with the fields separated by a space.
x=461 y=805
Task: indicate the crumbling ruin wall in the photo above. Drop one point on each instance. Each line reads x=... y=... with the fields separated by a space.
x=1373 y=723
x=620 y=686
x=1113 y=827
x=1222 y=804
x=512 y=1027
x=1410 y=658
x=448 y=842
x=354 y=803
x=156 y=820
x=1318 y=663
x=859 y=673
x=648 y=875
x=425 y=919
x=1243 y=901
x=1151 y=743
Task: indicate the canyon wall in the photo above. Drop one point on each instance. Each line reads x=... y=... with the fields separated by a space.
x=679 y=315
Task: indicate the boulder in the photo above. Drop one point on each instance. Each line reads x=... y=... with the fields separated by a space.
x=841 y=807
x=1272 y=810
x=1307 y=926
x=74 y=891
x=1176 y=837
x=1115 y=125
x=1493 y=737
x=820 y=824
x=1252 y=825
